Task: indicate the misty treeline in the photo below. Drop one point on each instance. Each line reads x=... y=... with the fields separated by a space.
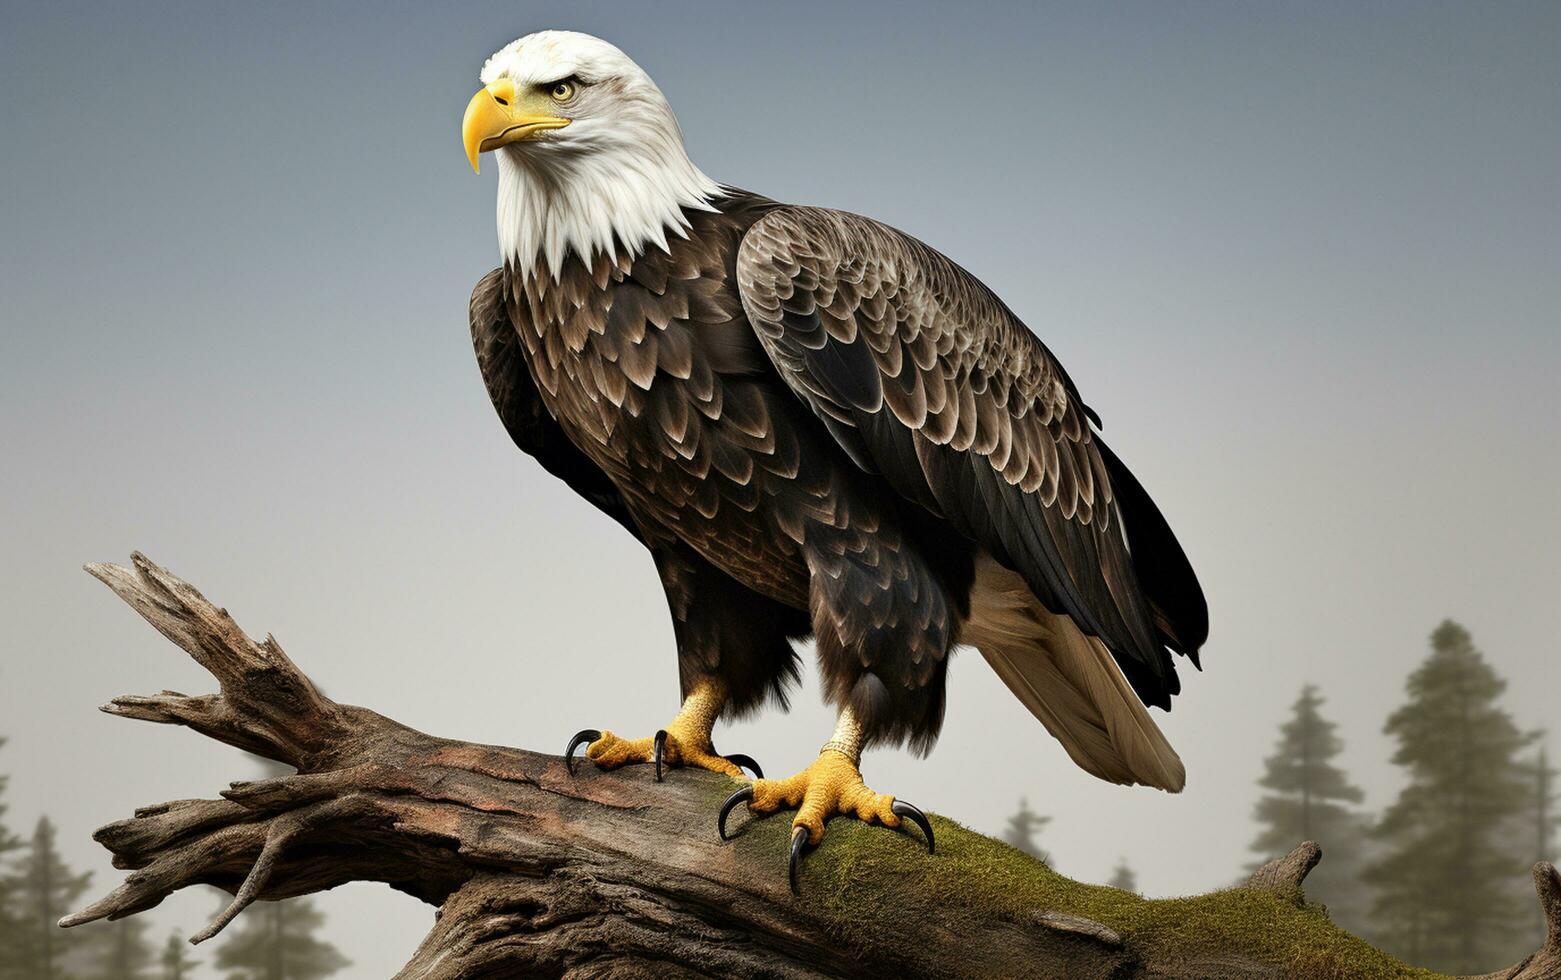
x=1440 y=877
x=269 y=941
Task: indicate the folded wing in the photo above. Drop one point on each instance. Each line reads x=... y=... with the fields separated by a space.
x=926 y=378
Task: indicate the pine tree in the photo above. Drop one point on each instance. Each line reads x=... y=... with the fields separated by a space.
x=1307 y=800
x=1547 y=815
x=277 y=942
x=1123 y=877
x=123 y=952
x=43 y=890
x=10 y=921
x=1542 y=824
x=176 y=959
x=1451 y=889
x=1022 y=828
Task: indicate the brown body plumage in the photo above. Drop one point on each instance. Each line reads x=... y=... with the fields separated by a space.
x=819 y=426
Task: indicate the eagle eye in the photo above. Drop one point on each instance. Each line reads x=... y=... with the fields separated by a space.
x=563 y=91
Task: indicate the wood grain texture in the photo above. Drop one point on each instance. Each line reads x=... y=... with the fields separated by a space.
x=537 y=873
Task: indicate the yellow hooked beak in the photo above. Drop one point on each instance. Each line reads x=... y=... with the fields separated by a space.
x=496 y=116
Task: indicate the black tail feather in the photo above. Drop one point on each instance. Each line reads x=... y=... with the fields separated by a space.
x=1164 y=573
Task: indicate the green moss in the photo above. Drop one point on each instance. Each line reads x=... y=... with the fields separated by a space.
x=864 y=878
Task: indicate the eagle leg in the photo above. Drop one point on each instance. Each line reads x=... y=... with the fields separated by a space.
x=685 y=742
x=831 y=786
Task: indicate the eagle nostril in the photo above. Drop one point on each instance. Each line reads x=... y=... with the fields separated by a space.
x=501 y=100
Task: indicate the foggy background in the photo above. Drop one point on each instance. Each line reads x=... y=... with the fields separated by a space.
x=1305 y=262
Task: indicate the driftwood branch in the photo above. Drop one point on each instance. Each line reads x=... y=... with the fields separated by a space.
x=538 y=873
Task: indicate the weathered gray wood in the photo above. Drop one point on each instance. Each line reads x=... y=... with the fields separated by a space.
x=1283 y=876
x=535 y=872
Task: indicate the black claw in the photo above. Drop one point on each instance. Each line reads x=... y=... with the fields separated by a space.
x=746 y=762
x=661 y=744
x=741 y=796
x=904 y=809
x=799 y=837
x=584 y=736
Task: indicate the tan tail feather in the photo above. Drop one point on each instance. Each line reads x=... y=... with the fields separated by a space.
x=1069 y=681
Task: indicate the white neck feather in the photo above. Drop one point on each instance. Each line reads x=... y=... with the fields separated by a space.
x=552 y=205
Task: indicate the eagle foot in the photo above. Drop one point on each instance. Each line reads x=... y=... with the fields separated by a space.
x=671 y=747
x=831 y=786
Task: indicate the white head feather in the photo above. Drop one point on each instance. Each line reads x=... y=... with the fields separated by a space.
x=616 y=177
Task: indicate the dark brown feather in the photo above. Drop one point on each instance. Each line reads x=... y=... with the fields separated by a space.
x=887 y=339
x=827 y=449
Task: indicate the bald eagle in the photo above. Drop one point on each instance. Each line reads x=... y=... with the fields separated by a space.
x=818 y=427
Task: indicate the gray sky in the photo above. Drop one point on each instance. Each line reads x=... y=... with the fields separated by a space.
x=1304 y=259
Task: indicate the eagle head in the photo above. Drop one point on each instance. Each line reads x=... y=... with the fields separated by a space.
x=591 y=159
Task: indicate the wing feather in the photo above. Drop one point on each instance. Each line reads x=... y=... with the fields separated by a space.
x=926 y=378
x=515 y=397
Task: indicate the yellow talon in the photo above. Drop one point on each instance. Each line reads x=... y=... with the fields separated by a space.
x=685 y=742
x=682 y=748
x=831 y=786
